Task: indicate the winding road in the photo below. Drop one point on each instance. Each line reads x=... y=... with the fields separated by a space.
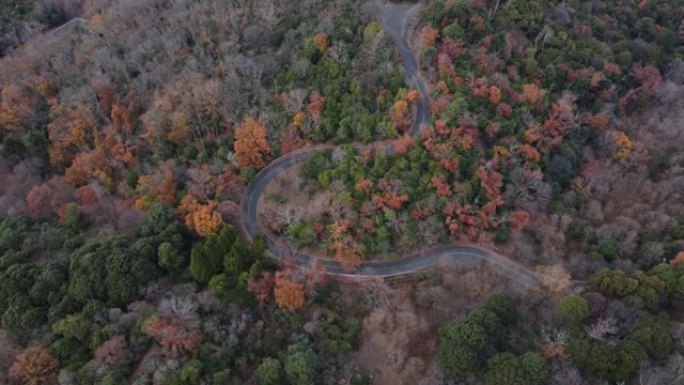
x=394 y=18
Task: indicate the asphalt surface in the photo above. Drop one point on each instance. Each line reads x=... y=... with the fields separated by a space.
x=394 y=19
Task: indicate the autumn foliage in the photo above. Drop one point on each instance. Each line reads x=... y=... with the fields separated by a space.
x=622 y=146
x=113 y=351
x=288 y=294
x=176 y=335
x=345 y=249
x=529 y=153
x=679 y=259
x=202 y=218
x=322 y=42
x=428 y=36
x=35 y=366
x=251 y=145
x=399 y=115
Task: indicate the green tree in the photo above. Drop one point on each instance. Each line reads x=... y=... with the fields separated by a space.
x=268 y=373
x=614 y=283
x=507 y=369
x=206 y=259
x=504 y=308
x=73 y=326
x=574 y=307
x=653 y=334
x=170 y=258
x=300 y=364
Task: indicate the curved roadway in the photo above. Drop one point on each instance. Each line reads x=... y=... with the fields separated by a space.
x=394 y=19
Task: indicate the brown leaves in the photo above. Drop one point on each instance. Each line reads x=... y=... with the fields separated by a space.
x=532 y=93
x=443 y=188
x=529 y=153
x=648 y=76
x=519 y=219
x=599 y=120
x=251 y=145
x=678 y=259
x=316 y=105
x=428 y=36
x=202 y=218
x=35 y=366
x=390 y=199
x=176 y=335
x=113 y=351
x=399 y=115
x=288 y=294
x=491 y=182
x=322 y=42
x=262 y=287
x=364 y=185
x=494 y=95
x=344 y=247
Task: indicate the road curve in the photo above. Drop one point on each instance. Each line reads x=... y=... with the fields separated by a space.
x=394 y=19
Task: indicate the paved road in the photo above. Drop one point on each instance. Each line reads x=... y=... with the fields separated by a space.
x=394 y=19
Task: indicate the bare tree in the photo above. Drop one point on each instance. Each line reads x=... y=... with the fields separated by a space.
x=602 y=329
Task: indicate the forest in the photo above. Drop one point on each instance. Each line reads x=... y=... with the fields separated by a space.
x=131 y=132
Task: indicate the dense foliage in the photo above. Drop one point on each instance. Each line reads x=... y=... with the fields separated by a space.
x=129 y=130
x=516 y=116
x=101 y=308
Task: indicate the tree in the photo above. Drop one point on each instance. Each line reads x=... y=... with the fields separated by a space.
x=654 y=335
x=575 y=307
x=202 y=218
x=301 y=365
x=428 y=36
x=494 y=95
x=322 y=42
x=614 y=283
x=206 y=260
x=529 y=153
x=113 y=351
x=399 y=115
x=262 y=287
x=35 y=366
x=507 y=369
x=679 y=259
x=554 y=277
x=443 y=189
x=504 y=308
x=170 y=258
x=73 y=326
x=519 y=219
x=268 y=373
x=175 y=334
x=288 y=294
x=532 y=93
x=38 y=199
x=621 y=146
x=251 y=144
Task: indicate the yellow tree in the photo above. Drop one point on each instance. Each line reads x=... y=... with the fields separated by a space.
x=251 y=145
x=622 y=146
